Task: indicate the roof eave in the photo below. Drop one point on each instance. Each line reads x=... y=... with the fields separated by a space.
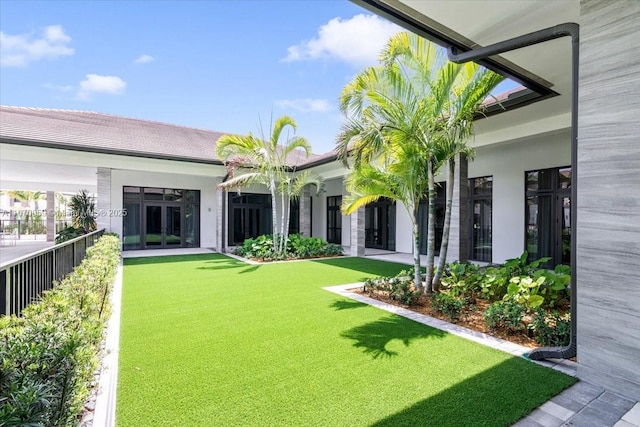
x=98 y=150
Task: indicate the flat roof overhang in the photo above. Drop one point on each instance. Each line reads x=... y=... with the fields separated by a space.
x=545 y=70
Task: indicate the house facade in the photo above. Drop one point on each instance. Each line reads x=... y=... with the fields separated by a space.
x=156 y=183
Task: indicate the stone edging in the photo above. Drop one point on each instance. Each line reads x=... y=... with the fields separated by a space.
x=105 y=411
x=565 y=366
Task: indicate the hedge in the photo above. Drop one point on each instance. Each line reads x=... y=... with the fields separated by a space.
x=49 y=355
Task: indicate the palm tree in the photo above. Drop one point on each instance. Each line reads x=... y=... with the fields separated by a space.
x=261 y=161
x=415 y=98
x=472 y=86
x=83 y=211
x=32 y=220
x=292 y=187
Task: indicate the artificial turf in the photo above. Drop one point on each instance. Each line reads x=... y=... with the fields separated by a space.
x=210 y=341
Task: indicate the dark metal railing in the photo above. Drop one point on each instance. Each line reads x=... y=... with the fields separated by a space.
x=23 y=280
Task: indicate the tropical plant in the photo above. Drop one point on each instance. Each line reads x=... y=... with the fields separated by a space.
x=32 y=220
x=505 y=315
x=262 y=160
x=408 y=116
x=448 y=304
x=291 y=187
x=399 y=288
x=83 y=211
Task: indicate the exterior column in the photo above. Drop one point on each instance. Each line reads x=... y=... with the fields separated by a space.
x=221 y=210
x=103 y=205
x=608 y=185
x=357 y=232
x=51 y=216
x=305 y=213
x=459 y=232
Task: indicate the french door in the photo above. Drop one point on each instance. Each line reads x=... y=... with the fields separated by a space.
x=163 y=226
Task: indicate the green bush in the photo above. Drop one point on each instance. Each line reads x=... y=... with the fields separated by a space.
x=462 y=279
x=69 y=233
x=49 y=355
x=448 y=304
x=505 y=315
x=261 y=247
x=399 y=288
x=298 y=246
x=551 y=329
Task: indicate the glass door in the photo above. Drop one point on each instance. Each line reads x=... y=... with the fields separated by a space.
x=163 y=226
x=153 y=228
x=172 y=226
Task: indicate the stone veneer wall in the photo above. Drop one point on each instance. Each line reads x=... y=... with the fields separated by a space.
x=608 y=177
x=103 y=204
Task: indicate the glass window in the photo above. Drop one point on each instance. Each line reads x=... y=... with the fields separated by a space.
x=564 y=178
x=548 y=216
x=334 y=220
x=131 y=226
x=192 y=196
x=154 y=193
x=131 y=193
x=481 y=239
x=482 y=186
x=173 y=195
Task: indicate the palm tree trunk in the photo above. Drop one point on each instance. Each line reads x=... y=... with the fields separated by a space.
x=286 y=228
x=274 y=214
x=281 y=236
x=416 y=250
x=431 y=228
x=447 y=225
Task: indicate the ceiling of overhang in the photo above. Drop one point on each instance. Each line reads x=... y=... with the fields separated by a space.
x=19 y=175
x=484 y=22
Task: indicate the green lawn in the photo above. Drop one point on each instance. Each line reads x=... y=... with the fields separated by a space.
x=209 y=341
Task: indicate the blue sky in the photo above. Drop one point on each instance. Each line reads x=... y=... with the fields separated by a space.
x=218 y=65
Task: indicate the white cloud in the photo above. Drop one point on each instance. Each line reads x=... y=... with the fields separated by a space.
x=143 y=59
x=58 y=88
x=306 y=105
x=20 y=50
x=357 y=41
x=95 y=83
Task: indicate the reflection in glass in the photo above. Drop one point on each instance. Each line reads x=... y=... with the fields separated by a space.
x=131 y=226
x=173 y=228
x=153 y=226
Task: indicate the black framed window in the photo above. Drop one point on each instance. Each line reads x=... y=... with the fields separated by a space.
x=160 y=218
x=249 y=217
x=481 y=208
x=380 y=225
x=548 y=215
x=294 y=216
x=334 y=220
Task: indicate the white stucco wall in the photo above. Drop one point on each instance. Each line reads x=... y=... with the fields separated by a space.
x=404 y=240
x=507 y=164
x=206 y=185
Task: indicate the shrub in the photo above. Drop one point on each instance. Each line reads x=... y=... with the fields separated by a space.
x=69 y=233
x=334 y=249
x=462 y=279
x=49 y=355
x=448 y=304
x=551 y=329
x=505 y=315
x=260 y=247
x=298 y=246
x=399 y=288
